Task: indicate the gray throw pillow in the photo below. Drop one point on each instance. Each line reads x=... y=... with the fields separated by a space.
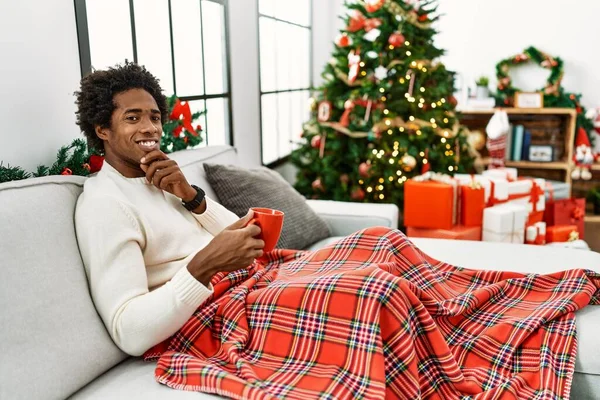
x=240 y=188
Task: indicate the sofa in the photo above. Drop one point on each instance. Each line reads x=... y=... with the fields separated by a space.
x=53 y=344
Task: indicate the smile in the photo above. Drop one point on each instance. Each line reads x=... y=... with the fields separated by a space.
x=148 y=145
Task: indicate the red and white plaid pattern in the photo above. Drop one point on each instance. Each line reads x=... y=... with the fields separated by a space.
x=373 y=317
x=497 y=150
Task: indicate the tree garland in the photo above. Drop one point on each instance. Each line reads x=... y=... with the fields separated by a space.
x=75 y=159
x=554 y=93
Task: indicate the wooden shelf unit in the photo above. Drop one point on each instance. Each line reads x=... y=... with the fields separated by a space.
x=592 y=218
x=477 y=119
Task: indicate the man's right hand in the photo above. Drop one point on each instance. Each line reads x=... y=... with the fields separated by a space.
x=234 y=248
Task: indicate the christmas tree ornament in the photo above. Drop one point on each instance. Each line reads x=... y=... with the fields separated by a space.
x=396 y=39
x=372 y=35
x=343 y=40
x=372 y=54
x=373 y=5
x=476 y=140
x=583 y=157
x=315 y=142
x=357 y=194
x=381 y=73
x=372 y=23
x=348 y=107
x=66 y=171
x=317 y=185
x=312 y=103
x=353 y=65
x=344 y=179
x=363 y=170
x=408 y=162
x=423 y=18
x=356 y=21
x=324 y=111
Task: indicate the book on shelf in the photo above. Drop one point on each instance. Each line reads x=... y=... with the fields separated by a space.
x=526 y=145
x=517 y=142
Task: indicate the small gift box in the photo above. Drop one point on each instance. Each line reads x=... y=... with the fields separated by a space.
x=536 y=234
x=456 y=233
x=504 y=223
x=472 y=204
x=508 y=174
x=561 y=233
x=496 y=190
x=566 y=212
x=528 y=192
x=431 y=201
x=555 y=190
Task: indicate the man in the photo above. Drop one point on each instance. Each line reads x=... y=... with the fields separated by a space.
x=150 y=241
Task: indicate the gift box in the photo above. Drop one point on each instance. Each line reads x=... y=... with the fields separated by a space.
x=561 y=233
x=508 y=174
x=555 y=190
x=566 y=212
x=496 y=190
x=536 y=234
x=456 y=233
x=431 y=201
x=472 y=203
x=529 y=193
x=504 y=223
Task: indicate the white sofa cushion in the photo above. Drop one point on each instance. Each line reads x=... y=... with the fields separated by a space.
x=52 y=341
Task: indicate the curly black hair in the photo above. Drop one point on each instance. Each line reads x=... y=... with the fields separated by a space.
x=95 y=99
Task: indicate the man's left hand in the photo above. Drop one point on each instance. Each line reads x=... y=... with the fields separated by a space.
x=166 y=175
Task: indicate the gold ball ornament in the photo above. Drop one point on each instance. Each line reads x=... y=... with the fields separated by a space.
x=476 y=140
x=408 y=162
x=312 y=104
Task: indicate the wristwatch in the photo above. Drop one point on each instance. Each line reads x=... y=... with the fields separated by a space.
x=195 y=203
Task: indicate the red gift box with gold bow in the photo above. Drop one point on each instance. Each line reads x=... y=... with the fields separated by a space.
x=566 y=212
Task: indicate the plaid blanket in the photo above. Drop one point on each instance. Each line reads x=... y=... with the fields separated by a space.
x=373 y=317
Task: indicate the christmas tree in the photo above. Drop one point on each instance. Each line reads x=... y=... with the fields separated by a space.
x=385 y=112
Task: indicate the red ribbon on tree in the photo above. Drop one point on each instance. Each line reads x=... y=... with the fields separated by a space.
x=183 y=112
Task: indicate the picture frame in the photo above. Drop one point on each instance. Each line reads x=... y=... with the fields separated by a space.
x=529 y=100
x=541 y=153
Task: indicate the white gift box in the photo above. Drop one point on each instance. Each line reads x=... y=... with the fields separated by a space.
x=524 y=188
x=504 y=223
x=509 y=174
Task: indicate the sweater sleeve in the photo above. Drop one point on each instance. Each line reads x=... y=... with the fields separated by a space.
x=215 y=218
x=110 y=240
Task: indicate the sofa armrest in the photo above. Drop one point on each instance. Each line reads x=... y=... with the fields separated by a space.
x=345 y=218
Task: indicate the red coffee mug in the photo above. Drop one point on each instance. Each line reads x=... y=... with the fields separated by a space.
x=270 y=222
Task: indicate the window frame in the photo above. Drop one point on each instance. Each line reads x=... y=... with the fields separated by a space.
x=85 y=59
x=310 y=88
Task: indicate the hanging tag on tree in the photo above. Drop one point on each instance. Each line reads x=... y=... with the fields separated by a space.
x=324 y=111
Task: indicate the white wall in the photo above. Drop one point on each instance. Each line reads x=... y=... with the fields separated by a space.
x=478 y=34
x=39 y=72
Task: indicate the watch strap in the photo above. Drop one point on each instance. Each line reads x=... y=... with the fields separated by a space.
x=195 y=203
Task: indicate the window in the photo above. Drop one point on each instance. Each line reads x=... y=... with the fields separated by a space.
x=182 y=42
x=285 y=74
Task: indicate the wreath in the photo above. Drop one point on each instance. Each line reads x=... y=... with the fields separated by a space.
x=554 y=94
x=506 y=91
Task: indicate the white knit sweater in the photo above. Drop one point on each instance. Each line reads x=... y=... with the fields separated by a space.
x=136 y=242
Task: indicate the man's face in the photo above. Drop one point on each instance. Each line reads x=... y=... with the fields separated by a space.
x=135 y=130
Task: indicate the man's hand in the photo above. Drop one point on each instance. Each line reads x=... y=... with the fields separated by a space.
x=234 y=248
x=166 y=175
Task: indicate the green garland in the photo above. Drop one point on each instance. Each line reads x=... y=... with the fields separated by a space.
x=554 y=93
